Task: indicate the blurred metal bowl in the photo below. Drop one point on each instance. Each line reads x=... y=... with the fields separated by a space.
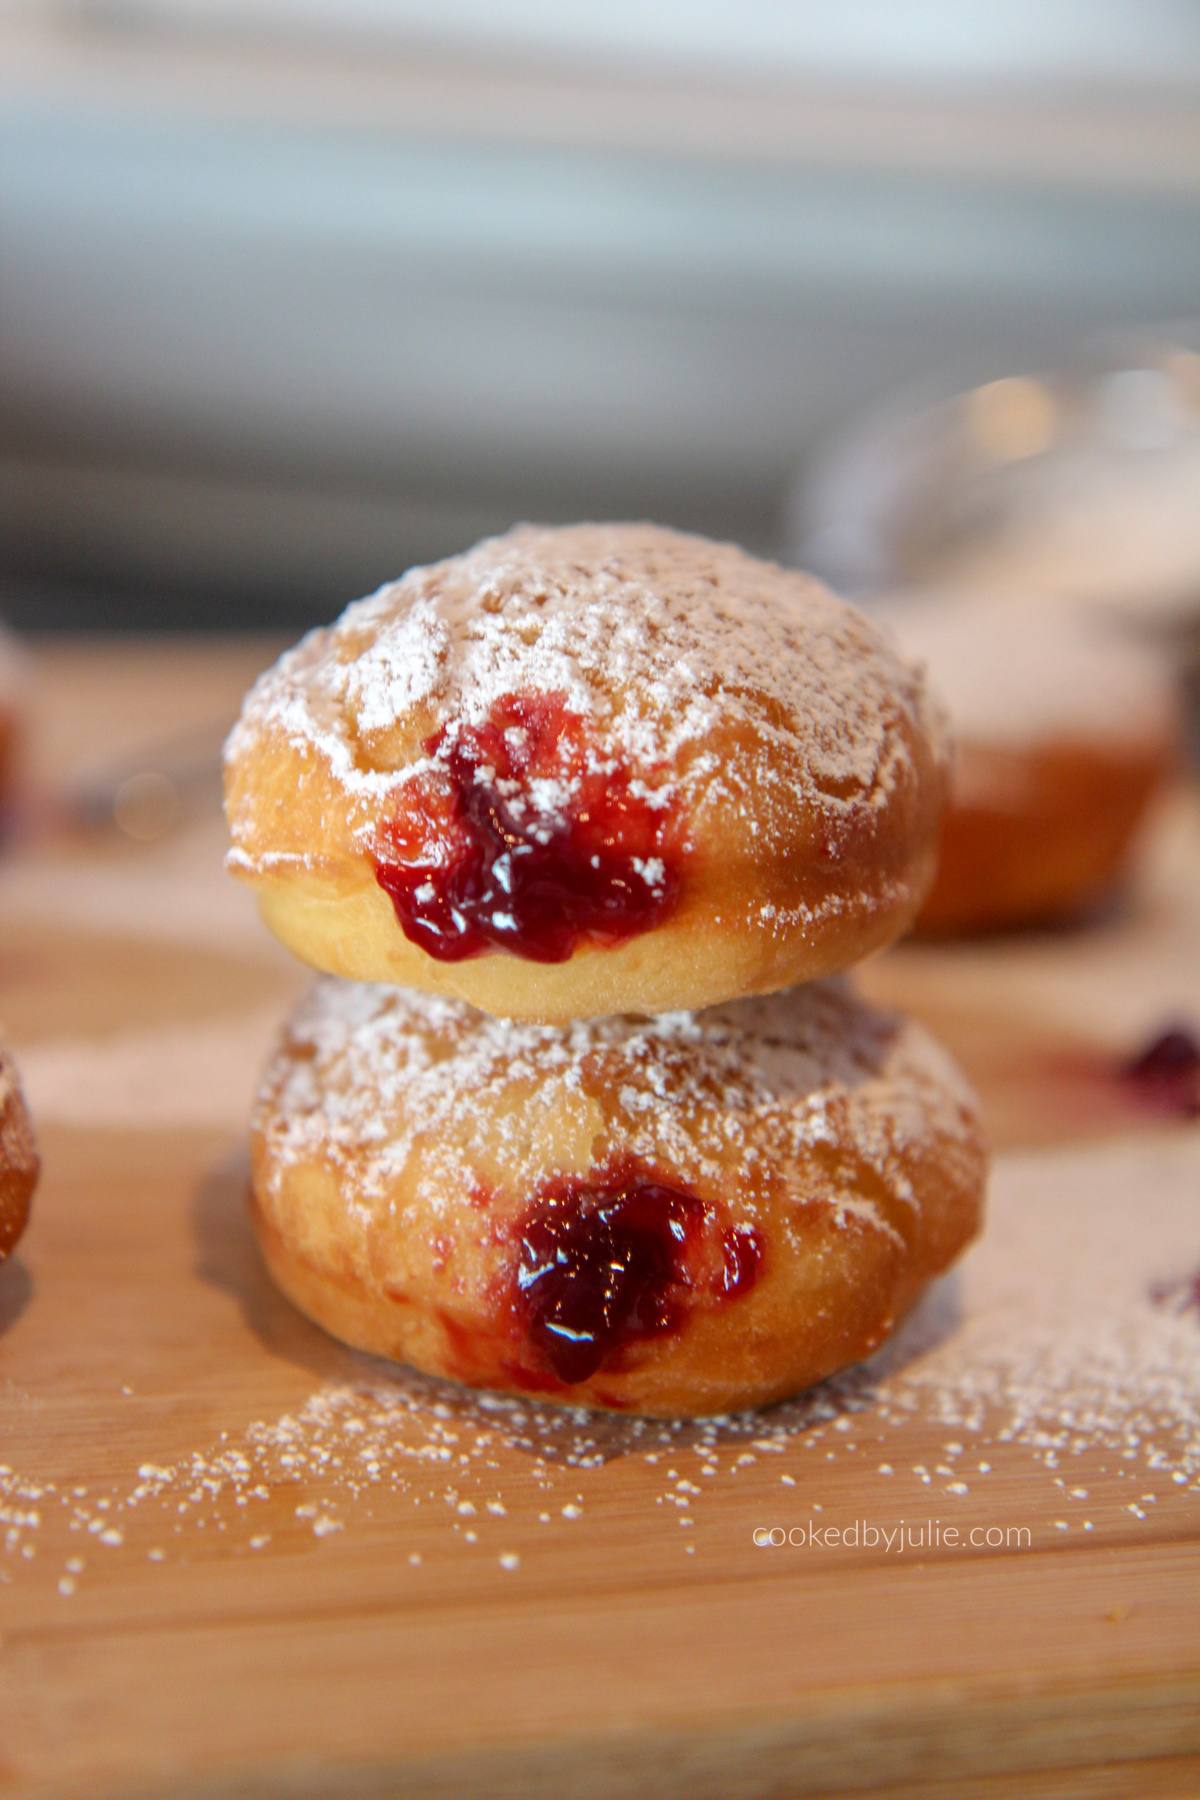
x=1083 y=484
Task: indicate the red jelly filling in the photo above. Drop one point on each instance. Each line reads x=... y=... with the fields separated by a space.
x=1167 y=1072
x=619 y=1257
x=520 y=839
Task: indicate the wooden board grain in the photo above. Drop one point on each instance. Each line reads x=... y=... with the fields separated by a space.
x=241 y=1560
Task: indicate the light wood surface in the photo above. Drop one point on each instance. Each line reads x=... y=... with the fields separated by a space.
x=236 y=1559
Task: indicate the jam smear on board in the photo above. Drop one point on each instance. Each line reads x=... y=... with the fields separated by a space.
x=1180 y=1296
x=520 y=840
x=615 y=1257
x=1167 y=1073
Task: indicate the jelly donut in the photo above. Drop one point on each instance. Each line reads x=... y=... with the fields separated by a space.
x=18 y=1157
x=1063 y=732
x=681 y=1215
x=600 y=769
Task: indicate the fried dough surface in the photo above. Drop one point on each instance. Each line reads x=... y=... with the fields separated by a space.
x=675 y=1216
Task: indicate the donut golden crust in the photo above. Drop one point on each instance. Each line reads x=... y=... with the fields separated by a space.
x=18 y=1157
x=675 y=1216
x=1064 y=732
x=585 y=771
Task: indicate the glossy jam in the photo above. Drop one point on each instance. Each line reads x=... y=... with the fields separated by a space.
x=517 y=841
x=620 y=1257
x=1167 y=1073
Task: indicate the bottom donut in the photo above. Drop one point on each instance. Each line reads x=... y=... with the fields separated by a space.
x=677 y=1216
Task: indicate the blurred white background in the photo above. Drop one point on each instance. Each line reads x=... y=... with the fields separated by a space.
x=296 y=292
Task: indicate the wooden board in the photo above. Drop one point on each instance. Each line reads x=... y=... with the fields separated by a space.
x=238 y=1559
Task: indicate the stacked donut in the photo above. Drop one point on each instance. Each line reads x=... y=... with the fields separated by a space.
x=582 y=826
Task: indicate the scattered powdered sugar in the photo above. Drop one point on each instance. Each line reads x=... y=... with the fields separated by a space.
x=407 y=1094
x=1022 y=673
x=1131 y=1386
x=1081 y=1312
x=686 y=659
x=1062 y=1357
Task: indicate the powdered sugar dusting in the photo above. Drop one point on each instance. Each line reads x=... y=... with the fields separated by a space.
x=679 y=654
x=374 y=1079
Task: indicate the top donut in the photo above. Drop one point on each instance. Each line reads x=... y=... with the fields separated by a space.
x=593 y=770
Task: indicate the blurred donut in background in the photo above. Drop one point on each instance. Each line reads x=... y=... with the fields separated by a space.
x=1064 y=731
x=19 y=1167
